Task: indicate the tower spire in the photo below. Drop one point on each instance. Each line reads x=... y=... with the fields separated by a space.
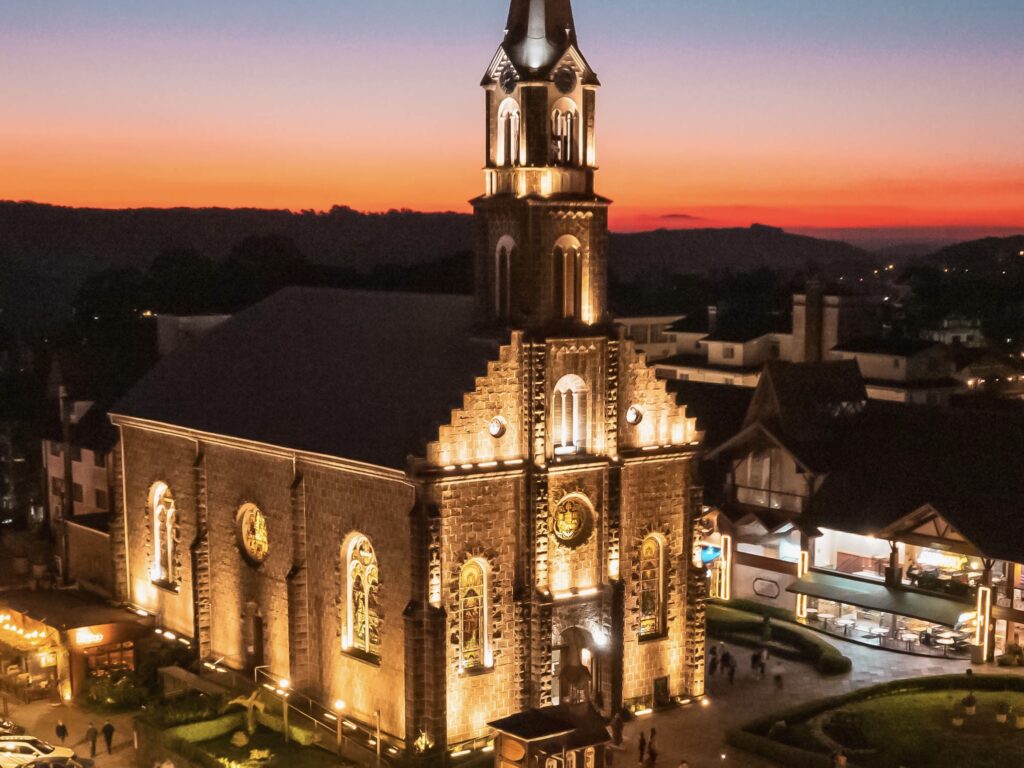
x=539 y=32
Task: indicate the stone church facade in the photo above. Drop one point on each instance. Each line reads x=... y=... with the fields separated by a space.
x=306 y=490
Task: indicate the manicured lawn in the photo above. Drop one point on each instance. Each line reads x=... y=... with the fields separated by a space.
x=914 y=730
x=284 y=755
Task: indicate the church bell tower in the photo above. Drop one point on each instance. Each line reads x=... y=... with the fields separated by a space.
x=541 y=231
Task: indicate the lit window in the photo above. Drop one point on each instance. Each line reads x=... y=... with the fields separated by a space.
x=161 y=504
x=508 y=133
x=565 y=124
x=568 y=273
x=570 y=414
x=652 y=587
x=362 y=614
x=473 y=586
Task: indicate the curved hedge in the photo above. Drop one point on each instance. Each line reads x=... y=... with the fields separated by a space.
x=744 y=629
x=753 y=737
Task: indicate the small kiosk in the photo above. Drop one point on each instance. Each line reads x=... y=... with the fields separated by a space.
x=563 y=736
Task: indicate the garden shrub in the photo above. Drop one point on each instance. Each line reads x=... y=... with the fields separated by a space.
x=119 y=691
x=296 y=733
x=788 y=641
x=189 y=707
x=205 y=730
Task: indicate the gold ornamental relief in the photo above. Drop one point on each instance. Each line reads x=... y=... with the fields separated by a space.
x=572 y=519
x=252 y=530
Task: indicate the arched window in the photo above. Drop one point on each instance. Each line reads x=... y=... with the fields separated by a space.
x=161 y=505
x=565 y=123
x=473 y=615
x=568 y=268
x=570 y=415
x=503 y=277
x=362 y=612
x=509 y=123
x=652 y=587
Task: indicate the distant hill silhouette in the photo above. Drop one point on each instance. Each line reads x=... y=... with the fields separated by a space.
x=988 y=254
x=739 y=250
x=46 y=252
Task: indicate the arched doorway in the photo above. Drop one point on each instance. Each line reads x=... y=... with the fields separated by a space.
x=252 y=635
x=577 y=667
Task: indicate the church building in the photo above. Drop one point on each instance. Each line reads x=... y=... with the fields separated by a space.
x=439 y=510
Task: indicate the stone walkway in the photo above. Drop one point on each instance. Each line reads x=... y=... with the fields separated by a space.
x=697 y=733
x=40 y=719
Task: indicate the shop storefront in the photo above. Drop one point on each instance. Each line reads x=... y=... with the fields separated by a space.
x=53 y=642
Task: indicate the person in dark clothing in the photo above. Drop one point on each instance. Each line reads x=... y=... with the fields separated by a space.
x=108 y=736
x=91 y=735
x=62 y=731
x=652 y=747
x=732 y=671
x=713 y=661
x=726 y=661
x=617 y=729
x=643 y=747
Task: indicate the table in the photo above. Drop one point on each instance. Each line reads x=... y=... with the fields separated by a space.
x=825 y=618
x=845 y=624
x=946 y=643
x=878 y=632
x=909 y=638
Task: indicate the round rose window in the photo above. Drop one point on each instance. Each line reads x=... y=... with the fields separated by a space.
x=572 y=519
x=252 y=532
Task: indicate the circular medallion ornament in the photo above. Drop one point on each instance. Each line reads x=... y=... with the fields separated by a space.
x=252 y=533
x=572 y=520
x=565 y=80
x=497 y=427
x=634 y=415
x=508 y=80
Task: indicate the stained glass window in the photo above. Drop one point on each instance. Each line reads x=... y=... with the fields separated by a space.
x=164 y=513
x=252 y=529
x=363 y=625
x=473 y=608
x=651 y=587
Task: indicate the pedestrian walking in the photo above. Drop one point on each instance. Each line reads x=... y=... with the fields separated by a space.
x=764 y=663
x=91 y=734
x=616 y=729
x=732 y=671
x=777 y=673
x=62 y=731
x=726 y=660
x=652 y=747
x=755 y=663
x=643 y=747
x=108 y=736
x=713 y=660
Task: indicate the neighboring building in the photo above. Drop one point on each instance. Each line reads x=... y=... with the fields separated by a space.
x=987 y=372
x=443 y=511
x=899 y=370
x=884 y=517
x=650 y=335
x=958 y=330
x=731 y=348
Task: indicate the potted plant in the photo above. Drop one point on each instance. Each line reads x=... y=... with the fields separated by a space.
x=1003 y=711
x=970 y=704
x=958 y=716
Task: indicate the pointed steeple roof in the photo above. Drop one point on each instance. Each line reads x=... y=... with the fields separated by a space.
x=539 y=32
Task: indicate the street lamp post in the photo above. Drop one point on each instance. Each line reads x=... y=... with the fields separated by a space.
x=339 y=707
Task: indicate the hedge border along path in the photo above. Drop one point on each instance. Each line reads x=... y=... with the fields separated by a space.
x=753 y=736
x=798 y=644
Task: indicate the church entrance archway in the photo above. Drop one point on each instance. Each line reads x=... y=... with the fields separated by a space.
x=578 y=667
x=252 y=635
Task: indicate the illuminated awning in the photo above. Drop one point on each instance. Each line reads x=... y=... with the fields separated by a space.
x=878 y=597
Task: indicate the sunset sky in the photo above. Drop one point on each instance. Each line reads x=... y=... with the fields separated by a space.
x=798 y=113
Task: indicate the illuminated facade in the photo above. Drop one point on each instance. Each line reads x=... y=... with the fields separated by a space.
x=441 y=559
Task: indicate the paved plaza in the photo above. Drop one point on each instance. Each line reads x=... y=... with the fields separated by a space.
x=697 y=733
x=40 y=719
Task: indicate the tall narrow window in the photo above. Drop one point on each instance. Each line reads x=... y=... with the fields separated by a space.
x=503 y=278
x=571 y=416
x=508 y=134
x=362 y=625
x=652 y=587
x=568 y=268
x=565 y=125
x=473 y=611
x=163 y=512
